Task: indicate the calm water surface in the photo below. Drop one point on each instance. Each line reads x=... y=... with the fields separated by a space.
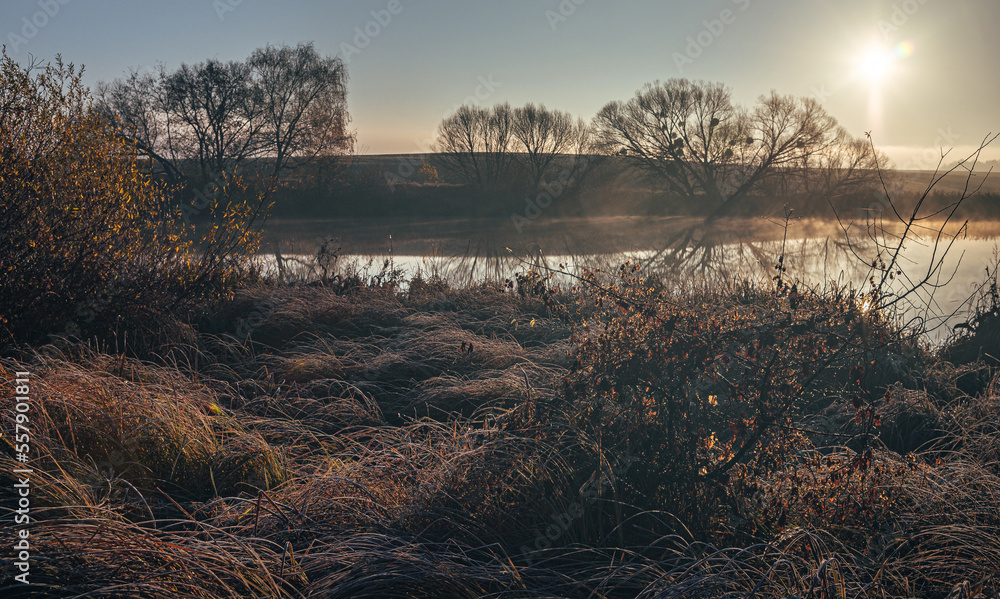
x=817 y=255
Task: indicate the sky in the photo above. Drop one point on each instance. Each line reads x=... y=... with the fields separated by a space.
x=920 y=75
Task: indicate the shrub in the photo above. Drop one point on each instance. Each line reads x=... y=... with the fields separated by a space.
x=703 y=392
x=979 y=338
x=89 y=240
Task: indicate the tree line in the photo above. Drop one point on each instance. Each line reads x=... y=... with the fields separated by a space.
x=92 y=244
x=688 y=136
x=282 y=107
x=487 y=147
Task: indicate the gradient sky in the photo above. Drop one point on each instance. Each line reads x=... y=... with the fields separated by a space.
x=941 y=85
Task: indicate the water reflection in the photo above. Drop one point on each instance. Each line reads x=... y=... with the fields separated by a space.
x=819 y=260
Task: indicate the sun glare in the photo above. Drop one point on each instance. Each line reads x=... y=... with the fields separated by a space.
x=878 y=67
x=876 y=64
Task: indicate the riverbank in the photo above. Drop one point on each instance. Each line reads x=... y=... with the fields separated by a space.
x=345 y=439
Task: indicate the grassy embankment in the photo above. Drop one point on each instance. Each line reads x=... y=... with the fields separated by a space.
x=354 y=441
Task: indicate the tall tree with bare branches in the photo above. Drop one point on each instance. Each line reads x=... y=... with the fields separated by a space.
x=476 y=145
x=303 y=98
x=701 y=145
x=283 y=105
x=543 y=135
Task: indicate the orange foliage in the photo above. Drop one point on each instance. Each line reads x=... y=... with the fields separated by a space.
x=90 y=241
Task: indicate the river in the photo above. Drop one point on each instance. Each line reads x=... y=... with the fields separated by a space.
x=817 y=254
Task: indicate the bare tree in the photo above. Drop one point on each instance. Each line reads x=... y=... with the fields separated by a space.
x=850 y=167
x=692 y=137
x=220 y=112
x=543 y=136
x=303 y=104
x=475 y=145
x=500 y=148
x=138 y=106
x=284 y=105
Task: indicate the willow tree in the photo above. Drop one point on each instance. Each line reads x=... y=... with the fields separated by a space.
x=476 y=145
x=284 y=106
x=303 y=105
x=701 y=145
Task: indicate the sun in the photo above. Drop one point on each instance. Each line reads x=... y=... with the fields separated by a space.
x=875 y=64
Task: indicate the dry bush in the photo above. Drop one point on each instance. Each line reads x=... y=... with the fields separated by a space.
x=93 y=245
x=701 y=388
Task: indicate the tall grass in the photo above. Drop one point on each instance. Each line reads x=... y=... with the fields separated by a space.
x=369 y=442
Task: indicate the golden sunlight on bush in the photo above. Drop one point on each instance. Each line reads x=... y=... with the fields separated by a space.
x=90 y=241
